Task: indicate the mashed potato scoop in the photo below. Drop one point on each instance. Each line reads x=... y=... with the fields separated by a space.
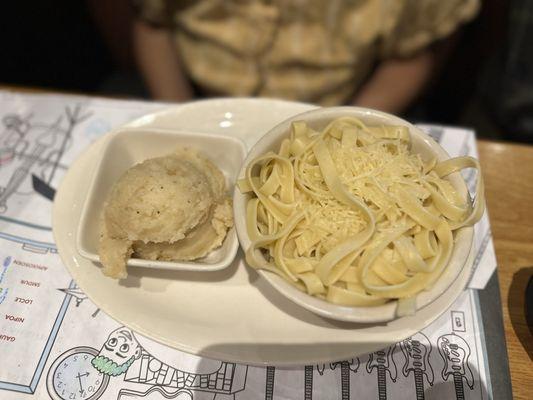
x=166 y=208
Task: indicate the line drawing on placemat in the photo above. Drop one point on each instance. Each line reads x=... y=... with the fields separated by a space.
x=30 y=245
x=79 y=296
x=121 y=355
x=308 y=382
x=417 y=350
x=383 y=362
x=30 y=156
x=455 y=352
x=30 y=387
x=72 y=374
x=222 y=383
x=269 y=382
x=458 y=321
x=346 y=366
x=34 y=148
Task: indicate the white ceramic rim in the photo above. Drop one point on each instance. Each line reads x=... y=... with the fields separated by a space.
x=231 y=237
x=375 y=314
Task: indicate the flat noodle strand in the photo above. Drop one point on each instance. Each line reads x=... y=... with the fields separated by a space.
x=348 y=214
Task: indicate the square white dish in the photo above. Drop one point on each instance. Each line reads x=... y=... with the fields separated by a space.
x=129 y=146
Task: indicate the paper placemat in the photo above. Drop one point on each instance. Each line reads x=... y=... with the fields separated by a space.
x=51 y=334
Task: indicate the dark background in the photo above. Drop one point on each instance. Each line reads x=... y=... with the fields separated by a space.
x=84 y=46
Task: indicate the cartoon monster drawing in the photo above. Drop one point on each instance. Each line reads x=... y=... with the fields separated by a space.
x=117 y=353
x=84 y=372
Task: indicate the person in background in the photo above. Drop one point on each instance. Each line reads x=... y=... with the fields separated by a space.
x=506 y=81
x=373 y=53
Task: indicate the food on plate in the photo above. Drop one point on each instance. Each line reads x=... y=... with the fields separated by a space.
x=166 y=208
x=352 y=216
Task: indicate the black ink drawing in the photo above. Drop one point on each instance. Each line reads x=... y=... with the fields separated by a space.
x=417 y=350
x=34 y=148
x=43 y=188
x=117 y=354
x=157 y=392
x=269 y=382
x=308 y=382
x=345 y=366
x=122 y=355
x=30 y=155
x=33 y=246
x=223 y=383
x=75 y=292
x=458 y=321
x=78 y=294
x=455 y=352
x=30 y=387
x=72 y=376
x=383 y=362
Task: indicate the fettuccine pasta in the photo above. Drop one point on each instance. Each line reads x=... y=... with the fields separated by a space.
x=350 y=215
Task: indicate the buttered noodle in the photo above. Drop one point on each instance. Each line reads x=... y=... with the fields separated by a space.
x=350 y=215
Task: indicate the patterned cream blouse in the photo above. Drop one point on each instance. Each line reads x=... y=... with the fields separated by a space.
x=317 y=51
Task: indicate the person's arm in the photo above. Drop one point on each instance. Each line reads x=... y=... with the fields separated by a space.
x=159 y=64
x=396 y=83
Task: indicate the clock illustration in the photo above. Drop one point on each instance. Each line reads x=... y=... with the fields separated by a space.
x=72 y=376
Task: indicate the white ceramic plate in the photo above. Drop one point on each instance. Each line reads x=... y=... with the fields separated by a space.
x=233 y=314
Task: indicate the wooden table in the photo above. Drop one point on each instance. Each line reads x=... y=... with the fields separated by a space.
x=508 y=173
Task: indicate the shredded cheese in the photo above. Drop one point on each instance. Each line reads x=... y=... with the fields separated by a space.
x=352 y=216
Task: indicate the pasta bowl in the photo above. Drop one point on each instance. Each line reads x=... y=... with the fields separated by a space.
x=421 y=144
